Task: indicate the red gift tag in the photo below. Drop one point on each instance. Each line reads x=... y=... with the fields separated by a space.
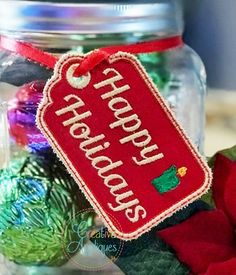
x=121 y=143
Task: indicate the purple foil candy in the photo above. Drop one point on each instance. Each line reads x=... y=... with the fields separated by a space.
x=22 y=116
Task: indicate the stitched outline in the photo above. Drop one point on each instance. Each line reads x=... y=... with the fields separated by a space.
x=63 y=157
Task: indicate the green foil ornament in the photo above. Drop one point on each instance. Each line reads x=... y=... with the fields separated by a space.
x=38 y=199
x=156 y=67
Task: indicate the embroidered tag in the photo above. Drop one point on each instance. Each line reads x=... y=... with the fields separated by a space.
x=120 y=142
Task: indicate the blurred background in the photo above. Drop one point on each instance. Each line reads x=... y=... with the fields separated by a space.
x=210 y=29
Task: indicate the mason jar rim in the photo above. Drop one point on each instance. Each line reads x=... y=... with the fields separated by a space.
x=89 y=18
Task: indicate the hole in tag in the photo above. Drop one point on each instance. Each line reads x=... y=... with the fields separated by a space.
x=77 y=82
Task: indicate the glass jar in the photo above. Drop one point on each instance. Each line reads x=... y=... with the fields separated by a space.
x=38 y=198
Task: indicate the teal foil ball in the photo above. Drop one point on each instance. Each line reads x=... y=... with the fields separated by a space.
x=38 y=199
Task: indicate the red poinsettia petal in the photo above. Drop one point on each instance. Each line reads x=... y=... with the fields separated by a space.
x=221 y=174
x=205 y=238
x=230 y=195
x=224 y=268
x=224 y=186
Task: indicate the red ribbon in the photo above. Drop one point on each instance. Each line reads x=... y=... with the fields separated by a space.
x=28 y=51
x=48 y=60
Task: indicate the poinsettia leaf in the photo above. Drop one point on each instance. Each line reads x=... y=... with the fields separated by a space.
x=155 y=259
x=208 y=198
x=146 y=255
